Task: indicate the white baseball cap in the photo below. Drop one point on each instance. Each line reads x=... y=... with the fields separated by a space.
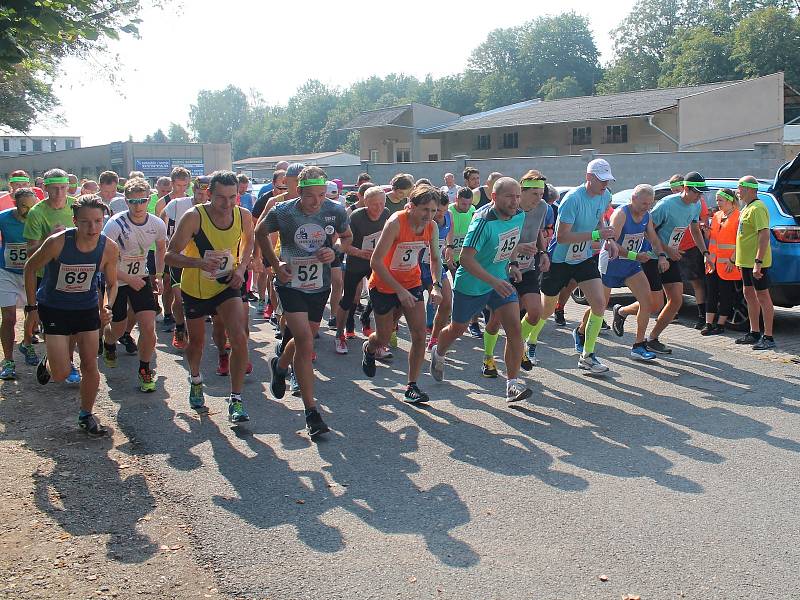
x=333 y=190
x=600 y=168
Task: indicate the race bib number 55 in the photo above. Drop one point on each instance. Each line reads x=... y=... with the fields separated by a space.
x=74 y=279
x=15 y=255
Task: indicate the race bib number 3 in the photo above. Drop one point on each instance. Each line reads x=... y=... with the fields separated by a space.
x=578 y=252
x=306 y=273
x=406 y=256
x=74 y=279
x=15 y=255
x=225 y=263
x=136 y=266
x=676 y=237
x=506 y=244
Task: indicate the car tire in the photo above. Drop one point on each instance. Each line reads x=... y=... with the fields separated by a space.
x=579 y=297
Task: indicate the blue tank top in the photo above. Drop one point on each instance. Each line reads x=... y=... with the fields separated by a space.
x=444 y=229
x=631 y=239
x=70 y=283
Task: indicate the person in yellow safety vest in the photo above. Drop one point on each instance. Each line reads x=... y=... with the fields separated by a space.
x=721 y=270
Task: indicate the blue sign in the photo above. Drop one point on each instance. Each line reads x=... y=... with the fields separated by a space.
x=153 y=167
x=195 y=167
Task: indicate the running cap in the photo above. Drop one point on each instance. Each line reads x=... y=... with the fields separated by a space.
x=333 y=190
x=294 y=169
x=694 y=180
x=339 y=184
x=600 y=168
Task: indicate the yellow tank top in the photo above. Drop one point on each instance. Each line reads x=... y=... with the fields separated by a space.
x=224 y=243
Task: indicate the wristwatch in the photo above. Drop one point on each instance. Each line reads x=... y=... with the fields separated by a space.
x=29 y=308
x=513 y=263
x=758 y=261
x=438 y=284
x=108 y=307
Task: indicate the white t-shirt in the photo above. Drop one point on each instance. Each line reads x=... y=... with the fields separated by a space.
x=134 y=241
x=452 y=192
x=118 y=204
x=175 y=210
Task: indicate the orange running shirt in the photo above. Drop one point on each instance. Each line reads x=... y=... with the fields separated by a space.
x=402 y=260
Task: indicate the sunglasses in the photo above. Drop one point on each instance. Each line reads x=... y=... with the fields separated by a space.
x=203 y=186
x=138 y=200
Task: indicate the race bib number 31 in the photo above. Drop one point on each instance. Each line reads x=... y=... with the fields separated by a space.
x=632 y=242
x=15 y=255
x=306 y=273
x=74 y=279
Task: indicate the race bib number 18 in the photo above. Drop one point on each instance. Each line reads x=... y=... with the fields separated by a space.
x=136 y=266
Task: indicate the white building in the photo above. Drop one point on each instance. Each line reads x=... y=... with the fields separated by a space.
x=16 y=143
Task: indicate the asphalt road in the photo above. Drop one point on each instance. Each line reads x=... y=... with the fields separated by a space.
x=672 y=479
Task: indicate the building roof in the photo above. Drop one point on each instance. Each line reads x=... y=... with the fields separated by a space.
x=584 y=108
x=292 y=158
x=378 y=117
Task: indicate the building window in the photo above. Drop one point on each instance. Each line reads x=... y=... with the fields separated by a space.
x=53 y=146
x=510 y=140
x=23 y=145
x=617 y=134
x=433 y=157
x=484 y=142
x=6 y=145
x=69 y=144
x=581 y=136
x=37 y=145
x=403 y=155
x=373 y=156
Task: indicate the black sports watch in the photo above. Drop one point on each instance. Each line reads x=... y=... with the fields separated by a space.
x=513 y=263
x=758 y=261
x=29 y=308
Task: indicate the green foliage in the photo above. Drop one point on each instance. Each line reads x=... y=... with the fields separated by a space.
x=768 y=41
x=218 y=114
x=553 y=88
x=177 y=134
x=697 y=57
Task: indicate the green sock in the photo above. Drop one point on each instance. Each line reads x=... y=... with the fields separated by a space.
x=527 y=329
x=533 y=335
x=592 y=331
x=489 y=342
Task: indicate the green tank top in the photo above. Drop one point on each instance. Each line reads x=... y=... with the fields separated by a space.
x=461 y=223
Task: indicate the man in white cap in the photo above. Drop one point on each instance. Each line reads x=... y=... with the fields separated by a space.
x=579 y=231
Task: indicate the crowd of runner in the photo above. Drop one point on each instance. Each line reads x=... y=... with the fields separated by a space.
x=90 y=265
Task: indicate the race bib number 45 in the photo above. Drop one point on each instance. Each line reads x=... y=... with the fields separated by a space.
x=406 y=256
x=225 y=263
x=15 y=255
x=306 y=273
x=506 y=244
x=74 y=279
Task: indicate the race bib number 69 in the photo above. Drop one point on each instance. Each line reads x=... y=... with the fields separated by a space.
x=74 y=279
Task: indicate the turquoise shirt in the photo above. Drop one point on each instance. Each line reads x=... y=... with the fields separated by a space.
x=671 y=217
x=494 y=241
x=583 y=212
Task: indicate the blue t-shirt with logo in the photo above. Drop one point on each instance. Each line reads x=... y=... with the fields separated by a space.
x=671 y=218
x=14 y=248
x=583 y=212
x=246 y=201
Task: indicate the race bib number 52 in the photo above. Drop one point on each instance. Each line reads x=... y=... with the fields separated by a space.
x=306 y=273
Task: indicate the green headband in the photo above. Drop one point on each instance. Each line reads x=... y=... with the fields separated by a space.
x=748 y=184
x=19 y=180
x=694 y=183
x=537 y=184
x=310 y=182
x=54 y=180
x=726 y=195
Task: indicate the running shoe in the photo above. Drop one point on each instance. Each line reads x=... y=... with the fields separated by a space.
x=91 y=426
x=526 y=363
x=224 y=365
x=516 y=390
x=591 y=364
x=414 y=395
x=147 y=382
x=294 y=385
x=332 y=323
x=236 y=412
x=393 y=340
x=700 y=323
x=750 y=339
x=532 y=354
x=475 y=330
x=640 y=352
x=384 y=353
x=197 y=399
x=437 y=364
x=489 y=369
x=658 y=347
x=558 y=317
x=350 y=335
x=618 y=324
x=604 y=326
x=179 y=340
x=579 y=339
x=765 y=343
x=35 y=339
x=367 y=361
x=110 y=358
x=30 y=354
x=42 y=373
x=130 y=345
x=268 y=310
x=251 y=297
x=278 y=384
x=8 y=370
x=366 y=331
x=314 y=423
x=707 y=329
x=74 y=375
x=340 y=344
x=433 y=341
x=717 y=330
x=168 y=323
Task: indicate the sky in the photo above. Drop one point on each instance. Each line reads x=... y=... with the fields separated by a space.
x=206 y=44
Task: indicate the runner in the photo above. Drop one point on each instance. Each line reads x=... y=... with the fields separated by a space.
x=402 y=185
x=306 y=226
x=213 y=243
x=671 y=217
x=366 y=225
x=437 y=316
x=12 y=285
x=579 y=224
x=487 y=260
x=450 y=187
x=396 y=282
x=245 y=197
x=337 y=279
x=722 y=272
x=264 y=285
x=461 y=212
x=481 y=196
x=691 y=265
x=67 y=299
x=134 y=231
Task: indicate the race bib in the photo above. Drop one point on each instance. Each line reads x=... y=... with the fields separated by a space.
x=370 y=241
x=15 y=256
x=406 y=255
x=458 y=243
x=506 y=244
x=225 y=264
x=136 y=266
x=632 y=242
x=74 y=279
x=525 y=262
x=676 y=236
x=579 y=251
x=306 y=273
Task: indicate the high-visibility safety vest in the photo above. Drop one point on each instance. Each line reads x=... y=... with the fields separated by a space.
x=722 y=244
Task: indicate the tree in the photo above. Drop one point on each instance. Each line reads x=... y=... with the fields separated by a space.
x=177 y=134
x=766 y=42
x=218 y=114
x=159 y=137
x=697 y=57
x=24 y=95
x=560 y=88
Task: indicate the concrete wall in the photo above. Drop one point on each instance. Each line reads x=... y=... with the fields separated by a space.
x=629 y=169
